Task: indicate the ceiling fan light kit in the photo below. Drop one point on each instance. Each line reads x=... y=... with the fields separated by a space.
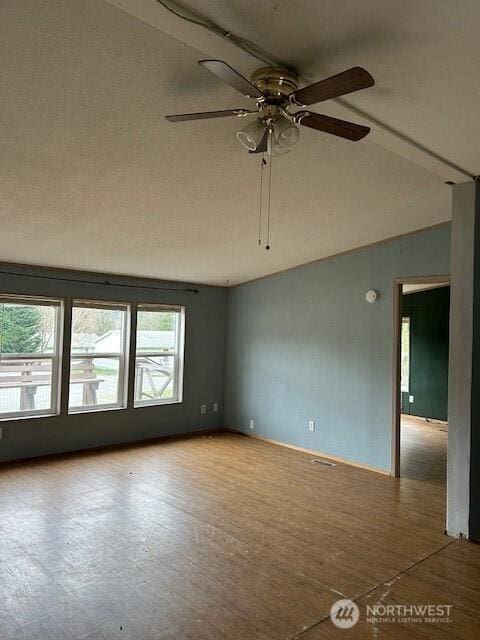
x=275 y=91
x=274 y=148
x=251 y=136
x=286 y=131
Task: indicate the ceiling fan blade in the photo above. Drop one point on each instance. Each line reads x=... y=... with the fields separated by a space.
x=262 y=147
x=346 y=82
x=342 y=128
x=204 y=115
x=227 y=74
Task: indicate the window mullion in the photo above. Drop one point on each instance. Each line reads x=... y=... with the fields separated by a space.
x=65 y=363
x=132 y=361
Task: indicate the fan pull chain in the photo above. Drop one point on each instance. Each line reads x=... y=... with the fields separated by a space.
x=262 y=165
x=267 y=246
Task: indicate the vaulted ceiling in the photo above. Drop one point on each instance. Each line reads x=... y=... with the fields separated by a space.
x=93 y=177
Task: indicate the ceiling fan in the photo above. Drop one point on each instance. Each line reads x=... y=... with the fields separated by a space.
x=276 y=92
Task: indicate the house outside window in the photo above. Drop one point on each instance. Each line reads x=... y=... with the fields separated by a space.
x=98 y=356
x=159 y=355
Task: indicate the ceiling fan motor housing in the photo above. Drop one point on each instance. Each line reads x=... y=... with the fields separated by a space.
x=276 y=83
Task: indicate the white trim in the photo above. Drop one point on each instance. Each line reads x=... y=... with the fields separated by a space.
x=39 y=413
x=156 y=402
x=157 y=354
x=122 y=390
x=55 y=390
x=99 y=304
x=27 y=356
x=121 y=356
x=112 y=405
x=95 y=354
x=177 y=354
x=181 y=354
x=12 y=298
x=55 y=357
x=92 y=408
x=152 y=307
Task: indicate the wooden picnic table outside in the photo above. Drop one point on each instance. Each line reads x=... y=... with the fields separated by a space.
x=147 y=369
x=29 y=372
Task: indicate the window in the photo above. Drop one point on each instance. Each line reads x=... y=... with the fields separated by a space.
x=98 y=362
x=31 y=346
x=405 y=360
x=159 y=355
x=30 y=338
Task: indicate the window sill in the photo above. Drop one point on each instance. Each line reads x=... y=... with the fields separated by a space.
x=76 y=411
x=31 y=416
x=153 y=403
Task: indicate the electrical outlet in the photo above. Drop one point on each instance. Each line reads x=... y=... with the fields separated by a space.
x=311 y=425
x=252 y=424
x=203 y=408
x=215 y=407
x=411 y=399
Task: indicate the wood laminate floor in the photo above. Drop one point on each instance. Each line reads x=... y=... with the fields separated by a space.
x=423 y=450
x=221 y=538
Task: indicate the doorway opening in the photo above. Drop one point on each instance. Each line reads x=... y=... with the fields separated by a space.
x=420 y=425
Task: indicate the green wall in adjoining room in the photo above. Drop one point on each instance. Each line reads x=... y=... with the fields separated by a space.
x=429 y=340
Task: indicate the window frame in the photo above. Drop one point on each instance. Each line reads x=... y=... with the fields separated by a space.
x=178 y=355
x=56 y=357
x=122 y=357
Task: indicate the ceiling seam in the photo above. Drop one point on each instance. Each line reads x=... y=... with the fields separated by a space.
x=265 y=57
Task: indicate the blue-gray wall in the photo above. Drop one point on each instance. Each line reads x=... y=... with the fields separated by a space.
x=203 y=375
x=305 y=345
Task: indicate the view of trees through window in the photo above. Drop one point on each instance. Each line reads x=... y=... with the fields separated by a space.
x=99 y=321
x=27 y=356
x=156 y=321
x=26 y=328
x=95 y=321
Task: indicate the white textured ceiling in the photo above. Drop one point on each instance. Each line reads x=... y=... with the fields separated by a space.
x=424 y=55
x=92 y=177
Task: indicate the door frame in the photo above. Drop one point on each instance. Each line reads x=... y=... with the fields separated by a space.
x=397 y=328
